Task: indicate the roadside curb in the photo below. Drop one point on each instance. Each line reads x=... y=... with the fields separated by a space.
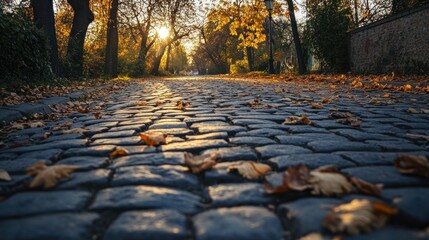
x=15 y=112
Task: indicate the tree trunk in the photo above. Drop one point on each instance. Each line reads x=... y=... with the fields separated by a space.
x=157 y=62
x=250 y=59
x=299 y=55
x=43 y=11
x=167 y=63
x=111 y=58
x=83 y=16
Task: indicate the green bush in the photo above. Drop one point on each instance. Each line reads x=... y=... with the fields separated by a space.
x=24 y=57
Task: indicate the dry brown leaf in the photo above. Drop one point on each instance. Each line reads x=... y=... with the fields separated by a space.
x=413 y=165
x=316 y=106
x=408 y=87
x=4 y=175
x=336 y=115
x=153 y=138
x=83 y=110
x=48 y=176
x=118 y=152
x=354 y=122
x=322 y=181
x=412 y=110
x=36 y=124
x=366 y=187
x=358 y=216
x=426 y=137
x=249 y=170
x=141 y=103
x=97 y=115
x=201 y=163
x=303 y=119
x=74 y=130
x=424 y=111
x=64 y=125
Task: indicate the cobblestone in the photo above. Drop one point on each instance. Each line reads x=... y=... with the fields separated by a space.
x=150 y=194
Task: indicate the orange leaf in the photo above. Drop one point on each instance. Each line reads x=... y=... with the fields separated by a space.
x=358 y=216
x=142 y=103
x=201 y=163
x=97 y=115
x=48 y=176
x=408 y=87
x=118 y=152
x=153 y=138
x=366 y=187
x=413 y=165
x=316 y=106
x=249 y=169
x=83 y=110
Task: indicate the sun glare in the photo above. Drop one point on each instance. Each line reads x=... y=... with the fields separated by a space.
x=163 y=32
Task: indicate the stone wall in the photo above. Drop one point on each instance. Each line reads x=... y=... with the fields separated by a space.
x=397 y=44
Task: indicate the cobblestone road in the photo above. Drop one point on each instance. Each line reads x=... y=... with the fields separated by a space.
x=149 y=194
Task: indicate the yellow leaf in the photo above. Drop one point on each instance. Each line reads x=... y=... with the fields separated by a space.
x=358 y=216
x=153 y=138
x=48 y=176
x=250 y=170
x=201 y=163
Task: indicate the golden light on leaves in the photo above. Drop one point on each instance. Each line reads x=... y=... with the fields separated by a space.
x=153 y=138
x=200 y=163
x=48 y=176
x=303 y=120
x=358 y=216
x=118 y=152
x=413 y=165
x=4 y=175
x=249 y=169
x=408 y=87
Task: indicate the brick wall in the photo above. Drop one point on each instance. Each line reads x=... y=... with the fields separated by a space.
x=399 y=43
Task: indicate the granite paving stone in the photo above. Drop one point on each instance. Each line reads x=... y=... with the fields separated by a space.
x=149 y=192
x=67 y=226
x=244 y=222
x=151 y=224
x=144 y=197
x=233 y=194
x=274 y=150
x=165 y=175
x=29 y=203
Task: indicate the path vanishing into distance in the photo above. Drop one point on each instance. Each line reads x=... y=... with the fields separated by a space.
x=147 y=192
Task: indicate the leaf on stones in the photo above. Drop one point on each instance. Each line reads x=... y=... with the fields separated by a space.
x=181 y=105
x=358 y=216
x=141 y=103
x=408 y=87
x=325 y=180
x=249 y=169
x=303 y=120
x=74 y=131
x=60 y=126
x=118 y=152
x=358 y=85
x=336 y=115
x=354 y=122
x=201 y=163
x=424 y=111
x=316 y=106
x=37 y=124
x=48 y=176
x=413 y=165
x=426 y=137
x=412 y=110
x=153 y=139
x=4 y=175
x=97 y=115
x=83 y=110
x=366 y=187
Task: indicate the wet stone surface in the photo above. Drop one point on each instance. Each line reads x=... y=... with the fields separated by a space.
x=150 y=194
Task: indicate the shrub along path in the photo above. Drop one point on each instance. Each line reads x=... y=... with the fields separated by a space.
x=120 y=188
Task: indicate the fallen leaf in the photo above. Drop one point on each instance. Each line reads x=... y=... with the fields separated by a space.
x=316 y=106
x=303 y=119
x=201 y=163
x=48 y=176
x=249 y=170
x=142 y=103
x=336 y=115
x=358 y=85
x=366 y=187
x=354 y=122
x=83 y=110
x=36 y=124
x=408 y=87
x=97 y=115
x=153 y=138
x=74 y=130
x=4 y=175
x=412 y=110
x=321 y=181
x=358 y=216
x=118 y=152
x=413 y=165
x=61 y=126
